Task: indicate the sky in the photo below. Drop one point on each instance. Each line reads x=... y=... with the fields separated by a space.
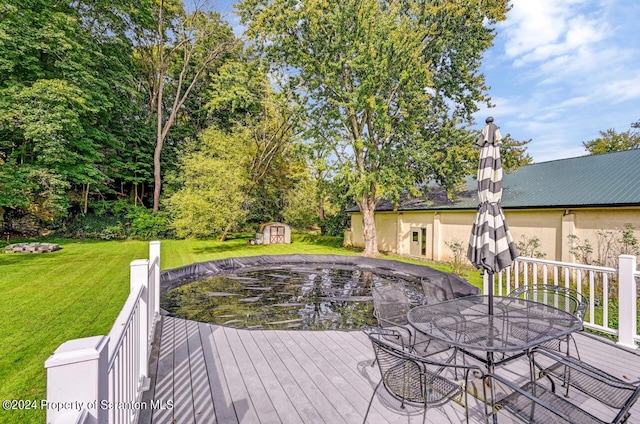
x=560 y=71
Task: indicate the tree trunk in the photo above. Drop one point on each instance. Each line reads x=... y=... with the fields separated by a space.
x=157 y=182
x=367 y=206
x=85 y=198
x=223 y=237
x=321 y=212
x=135 y=194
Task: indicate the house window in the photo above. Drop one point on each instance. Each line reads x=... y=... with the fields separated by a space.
x=423 y=248
x=414 y=236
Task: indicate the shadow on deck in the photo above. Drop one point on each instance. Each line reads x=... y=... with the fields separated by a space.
x=204 y=373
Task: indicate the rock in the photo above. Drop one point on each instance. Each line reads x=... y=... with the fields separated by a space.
x=31 y=248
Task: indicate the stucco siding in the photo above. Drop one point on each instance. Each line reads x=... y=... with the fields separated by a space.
x=455 y=226
x=386 y=231
x=546 y=225
x=588 y=222
x=550 y=226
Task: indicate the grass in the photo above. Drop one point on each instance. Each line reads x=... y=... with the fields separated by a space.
x=78 y=291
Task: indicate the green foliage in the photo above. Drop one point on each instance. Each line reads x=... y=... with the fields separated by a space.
x=608 y=246
x=581 y=250
x=514 y=154
x=146 y=225
x=385 y=85
x=67 y=100
x=300 y=209
x=528 y=247
x=215 y=185
x=117 y=220
x=613 y=141
x=237 y=93
x=459 y=262
x=334 y=224
x=628 y=240
x=96 y=227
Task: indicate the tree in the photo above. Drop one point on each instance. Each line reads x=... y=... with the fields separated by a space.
x=380 y=81
x=215 y=179
x=514 y=154
x=66 y=90
x=187 y=47
x=612 y=141
x=241 y=97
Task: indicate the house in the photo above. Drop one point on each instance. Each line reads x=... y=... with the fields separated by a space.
x=550 y=200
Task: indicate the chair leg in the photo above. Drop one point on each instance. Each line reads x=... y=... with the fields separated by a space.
x=371 y=401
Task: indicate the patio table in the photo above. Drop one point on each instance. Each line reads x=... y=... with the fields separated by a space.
x=516 y=325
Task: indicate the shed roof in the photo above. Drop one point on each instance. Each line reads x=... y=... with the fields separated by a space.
x=611 y=179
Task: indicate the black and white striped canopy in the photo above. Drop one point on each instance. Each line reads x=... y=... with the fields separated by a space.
x=491 y=246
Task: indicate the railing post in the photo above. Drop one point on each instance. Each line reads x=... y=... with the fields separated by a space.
x=485 y=283
x=154 y=252
x=77 y=380
x=627 y=299
x=140 y=276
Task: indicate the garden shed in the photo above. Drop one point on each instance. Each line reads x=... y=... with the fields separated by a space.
x=273 y=233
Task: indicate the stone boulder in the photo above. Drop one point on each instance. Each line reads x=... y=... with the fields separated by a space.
x=31 y=248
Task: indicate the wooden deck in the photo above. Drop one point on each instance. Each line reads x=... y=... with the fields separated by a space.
x=213 y=374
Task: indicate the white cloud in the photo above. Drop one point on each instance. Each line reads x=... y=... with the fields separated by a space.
x=622 y=89
x=544 y=30
x=563 y=70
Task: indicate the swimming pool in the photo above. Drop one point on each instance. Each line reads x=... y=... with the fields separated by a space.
x=312 y=298
x=310 y=292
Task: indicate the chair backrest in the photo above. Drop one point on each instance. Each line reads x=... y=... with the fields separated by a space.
x=413 y=378
x=561 y=297
x=391 y=304
x=401 y=375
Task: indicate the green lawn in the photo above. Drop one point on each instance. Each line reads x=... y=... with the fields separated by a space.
x=78 y=291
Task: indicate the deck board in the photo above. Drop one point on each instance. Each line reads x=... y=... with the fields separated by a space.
x=202 y=394
x=304 y=407
x=245 y=410
x=164 y=373
x=222 y=375
x=222 y=408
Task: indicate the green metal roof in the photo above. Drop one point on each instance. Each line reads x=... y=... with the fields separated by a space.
x=611 y=179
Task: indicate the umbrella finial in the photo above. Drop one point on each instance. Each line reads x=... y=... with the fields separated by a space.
x=489 y=120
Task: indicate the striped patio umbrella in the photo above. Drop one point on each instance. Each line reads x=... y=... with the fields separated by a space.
x=491 y=246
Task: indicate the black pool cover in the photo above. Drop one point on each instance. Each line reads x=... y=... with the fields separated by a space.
x=444 y=286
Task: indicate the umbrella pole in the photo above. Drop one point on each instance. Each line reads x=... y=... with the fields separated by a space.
x=491 y=293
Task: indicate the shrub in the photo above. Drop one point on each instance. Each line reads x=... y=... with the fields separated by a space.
x=146 y=225
x=459 y=250
x=94 y=227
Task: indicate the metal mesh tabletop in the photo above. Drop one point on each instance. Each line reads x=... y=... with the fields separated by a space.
x=516 y=324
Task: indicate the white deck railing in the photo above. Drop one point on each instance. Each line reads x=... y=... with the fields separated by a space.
x=612 y=292
x=101 y=379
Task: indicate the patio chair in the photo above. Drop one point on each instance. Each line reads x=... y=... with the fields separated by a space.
x=561 y=297
x=537 y=403
x=417 y=380
x=390 y=307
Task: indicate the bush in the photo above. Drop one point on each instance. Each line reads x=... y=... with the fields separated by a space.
x=117 y=221
x=94 y=227
x=459 y=263
x=334 y=225
x=146 y=225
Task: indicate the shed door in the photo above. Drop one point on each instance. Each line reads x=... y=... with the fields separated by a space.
x=276 y=234
x=418 y=242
